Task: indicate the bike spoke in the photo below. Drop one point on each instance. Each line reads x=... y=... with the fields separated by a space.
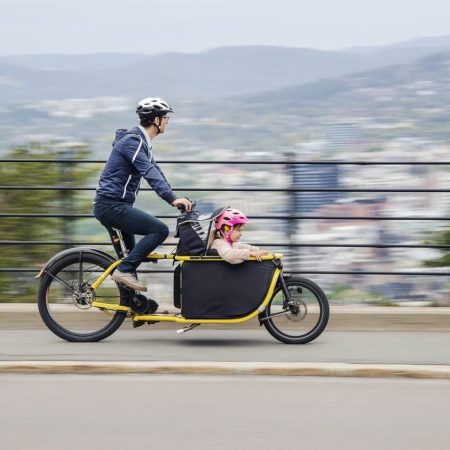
x=60 y=281
x=80 y=273
x=281 y=313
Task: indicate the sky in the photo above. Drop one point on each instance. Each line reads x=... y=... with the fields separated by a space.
x=158 y=26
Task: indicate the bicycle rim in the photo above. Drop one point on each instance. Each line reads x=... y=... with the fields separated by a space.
x=68 y=296
x=304 y=320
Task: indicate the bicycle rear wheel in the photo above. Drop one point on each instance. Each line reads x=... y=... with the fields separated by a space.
x=65 y=298
x=303 y=320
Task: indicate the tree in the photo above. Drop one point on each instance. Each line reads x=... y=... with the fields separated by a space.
x=442 y=238
x=16 y=287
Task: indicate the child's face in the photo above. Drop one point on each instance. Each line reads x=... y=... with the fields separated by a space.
x=236 y=233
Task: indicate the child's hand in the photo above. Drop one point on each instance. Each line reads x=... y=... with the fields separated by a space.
x=258 y=253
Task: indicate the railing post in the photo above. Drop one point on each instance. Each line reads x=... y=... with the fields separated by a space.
x=66 y=196
x=292 y=225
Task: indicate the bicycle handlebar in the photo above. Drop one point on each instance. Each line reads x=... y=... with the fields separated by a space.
x=182 y=208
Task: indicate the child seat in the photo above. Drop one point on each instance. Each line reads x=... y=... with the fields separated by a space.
x=194 y=229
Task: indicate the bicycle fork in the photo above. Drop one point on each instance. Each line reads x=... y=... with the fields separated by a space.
x=288 y=300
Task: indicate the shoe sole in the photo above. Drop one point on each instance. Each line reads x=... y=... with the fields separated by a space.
x=136 y=288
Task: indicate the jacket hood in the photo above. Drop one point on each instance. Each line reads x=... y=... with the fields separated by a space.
x=121 y=132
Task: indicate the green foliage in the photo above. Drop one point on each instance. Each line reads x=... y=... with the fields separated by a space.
x=342 y=293
x=16 y=287
x=442 y=238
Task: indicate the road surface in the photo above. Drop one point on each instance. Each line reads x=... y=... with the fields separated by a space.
x=48 y=412
x=208 y=344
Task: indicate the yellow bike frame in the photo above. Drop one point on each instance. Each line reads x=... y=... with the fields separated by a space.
x=178 y=318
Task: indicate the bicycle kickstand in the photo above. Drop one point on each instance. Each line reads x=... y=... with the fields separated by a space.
x=187 y=328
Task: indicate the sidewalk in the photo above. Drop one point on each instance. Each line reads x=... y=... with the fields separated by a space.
x=342 y=318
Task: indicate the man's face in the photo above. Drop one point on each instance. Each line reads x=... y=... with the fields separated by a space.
x=162 y=122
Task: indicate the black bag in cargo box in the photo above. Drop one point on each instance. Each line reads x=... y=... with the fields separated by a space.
x=193 y=229
x=217 y=289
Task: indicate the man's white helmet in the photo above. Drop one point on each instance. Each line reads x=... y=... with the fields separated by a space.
x=151 y=107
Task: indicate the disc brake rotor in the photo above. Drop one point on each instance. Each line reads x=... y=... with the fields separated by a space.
x=82 y=295
x=299 y=305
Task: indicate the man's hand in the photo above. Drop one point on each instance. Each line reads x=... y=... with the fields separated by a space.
x=184 y=203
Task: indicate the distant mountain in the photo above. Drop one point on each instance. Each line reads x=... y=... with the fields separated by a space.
x=55 y=62
x=425 y=78
x=397 y=100
x=402 y=52
x=402 y=100
x=433 y=44
x=222 y=72
x=412 y=99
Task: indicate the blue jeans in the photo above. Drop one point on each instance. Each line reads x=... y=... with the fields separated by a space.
x=131 y=221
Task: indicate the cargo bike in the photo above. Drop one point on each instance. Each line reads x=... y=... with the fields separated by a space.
x=79 y=302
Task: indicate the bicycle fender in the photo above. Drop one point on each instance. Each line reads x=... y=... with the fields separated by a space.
x=70 y=251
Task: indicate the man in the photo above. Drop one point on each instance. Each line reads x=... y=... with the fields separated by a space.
x=131 y=159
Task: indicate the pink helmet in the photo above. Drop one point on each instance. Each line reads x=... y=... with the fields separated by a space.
x=230 y=217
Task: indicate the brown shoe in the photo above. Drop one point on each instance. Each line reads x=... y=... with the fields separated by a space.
x=128 y=279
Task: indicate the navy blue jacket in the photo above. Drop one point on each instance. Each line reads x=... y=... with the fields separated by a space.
x=130 y=160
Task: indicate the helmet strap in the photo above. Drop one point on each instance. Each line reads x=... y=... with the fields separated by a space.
x=158 y=127
x=226 y=233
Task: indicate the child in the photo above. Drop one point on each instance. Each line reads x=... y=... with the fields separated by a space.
x=225 y=238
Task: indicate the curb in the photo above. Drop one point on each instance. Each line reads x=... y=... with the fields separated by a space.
x=228 y=368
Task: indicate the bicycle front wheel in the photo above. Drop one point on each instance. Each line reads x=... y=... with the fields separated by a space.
x=65 y=298
x=301 y=321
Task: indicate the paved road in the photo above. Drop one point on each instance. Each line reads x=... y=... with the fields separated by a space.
x=47 y=412
x=208 y=344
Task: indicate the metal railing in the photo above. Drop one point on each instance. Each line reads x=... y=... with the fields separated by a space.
x=291 y=190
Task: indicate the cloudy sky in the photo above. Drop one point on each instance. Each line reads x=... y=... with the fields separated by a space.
x=156 y=26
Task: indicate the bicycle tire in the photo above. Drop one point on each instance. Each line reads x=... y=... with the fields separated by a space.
x=52 y=323
x=319 y=326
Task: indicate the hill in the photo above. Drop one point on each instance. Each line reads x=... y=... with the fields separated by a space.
x=220 y=72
